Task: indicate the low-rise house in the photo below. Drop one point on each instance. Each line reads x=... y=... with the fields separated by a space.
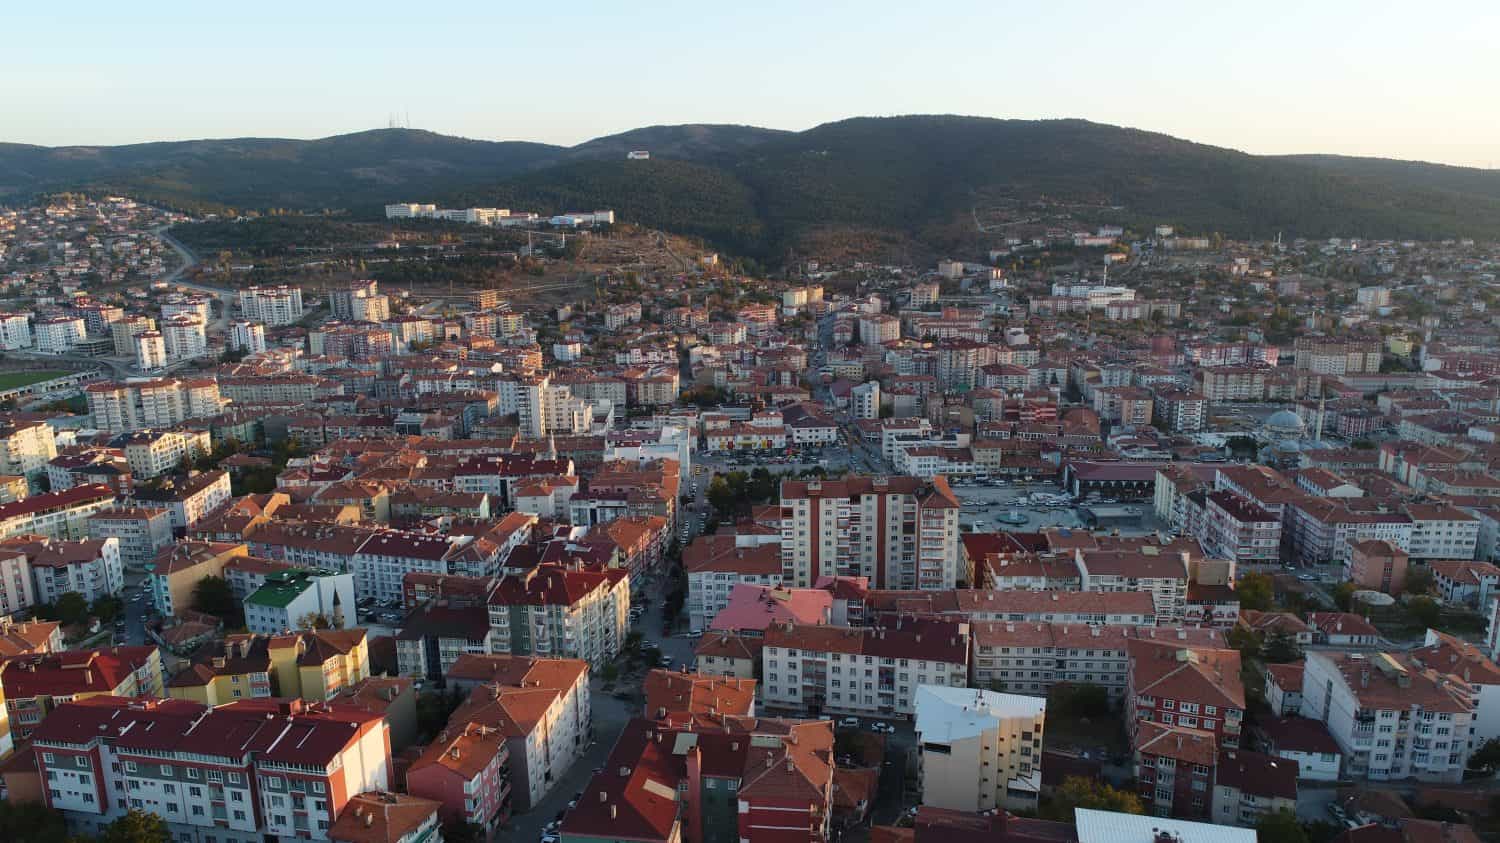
x=729 y=654
x=1304 y=741
x=1343 y=629
x=1248 y=786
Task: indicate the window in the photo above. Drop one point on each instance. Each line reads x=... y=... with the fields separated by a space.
x=48 y=757
x=317 y=787
x=81 y=760
x=194 y=773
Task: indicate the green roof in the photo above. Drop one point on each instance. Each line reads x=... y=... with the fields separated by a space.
x=281 y=589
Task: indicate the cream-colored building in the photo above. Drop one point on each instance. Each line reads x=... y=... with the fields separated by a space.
x=978 y=749
x=26 y=448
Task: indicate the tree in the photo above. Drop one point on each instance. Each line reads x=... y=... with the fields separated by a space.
x=1487 y=755
x=136 y=827
x=107 y=609
x=31 y=822
x=71 y=609
x=1079 y=700
x=1418 y=581
x=1255 y=591
x=314 y=620
x=1281 y=826
x=1079 y=792
x=1281 y=647
x=1424 y=610
x=1343 y=595
x=213 y=596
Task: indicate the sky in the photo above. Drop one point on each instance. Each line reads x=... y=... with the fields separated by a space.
x=1397 y=80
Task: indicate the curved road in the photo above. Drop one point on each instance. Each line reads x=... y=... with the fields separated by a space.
x=189 y=260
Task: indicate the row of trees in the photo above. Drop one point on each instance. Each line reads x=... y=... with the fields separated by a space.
x=33 y=822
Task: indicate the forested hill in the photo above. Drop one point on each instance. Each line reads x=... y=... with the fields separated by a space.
x=756 y=190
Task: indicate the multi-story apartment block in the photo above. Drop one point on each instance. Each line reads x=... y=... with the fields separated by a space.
x=56 y=515
x=715 y=565
x=297 y=597
x=123 y=407
x=1393 y=718
x=175 y=572
x=1231 y=383
x=900 y=532
x=1441 y=531
x=184 y=337
x=186 y=499
x=864 y=401
x=979 y=750
x=1329 y=356
x=152 y=453
x=1031 y=657
x=273 y=306
x=142 y=532
x=36 y=684
x=58 y=334
x=1181 y=412
x=1233 y=527
x=466 y=769
x=541 y=706
x=1175 y=770
x=868 y=670
x=124 y=331
x=752 y=780
x=1469 y=665
x=1249 y=786
x=237 y=773
x=15 y=331
x=90 y=567
x=26 y=448
x=553 y=612
x=249 y=337
x=150 y=351
x=1175 y=685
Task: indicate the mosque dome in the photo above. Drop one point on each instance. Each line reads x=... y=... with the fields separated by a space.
x=1284 y=424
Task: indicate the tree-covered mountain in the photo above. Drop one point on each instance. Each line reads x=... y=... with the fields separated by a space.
x=758 y=191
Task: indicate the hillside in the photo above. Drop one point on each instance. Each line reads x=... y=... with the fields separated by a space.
x=360 y=170
x=904 y=180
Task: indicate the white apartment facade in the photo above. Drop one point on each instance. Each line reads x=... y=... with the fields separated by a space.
x=58 y=334
x=273 y=306
x=979 y=750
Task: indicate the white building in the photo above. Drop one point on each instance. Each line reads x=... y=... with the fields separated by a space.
x=90 y=567
x=184 y=337
x=1113 y=827
x=150 y=351
x=1392 y=718
x=15 y=331
x=864 y=400
x=291 y=598
x=978 y=749
x=58 y=334
x=274 y=306
x=26 y=448
x=249 y=337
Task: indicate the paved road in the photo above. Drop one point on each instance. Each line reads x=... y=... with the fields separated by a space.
x=226 y=297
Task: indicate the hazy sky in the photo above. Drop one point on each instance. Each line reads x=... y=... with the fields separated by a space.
x=1391 y=79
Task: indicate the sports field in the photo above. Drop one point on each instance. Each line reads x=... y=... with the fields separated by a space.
x=12 y=380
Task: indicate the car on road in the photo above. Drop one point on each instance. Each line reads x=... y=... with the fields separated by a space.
x=850 y=722
x=882 y=728
x=550 y=838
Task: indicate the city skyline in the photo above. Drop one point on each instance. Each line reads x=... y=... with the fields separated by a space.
x=1265 y=84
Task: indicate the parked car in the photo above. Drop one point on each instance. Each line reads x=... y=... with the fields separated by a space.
x=850 y=722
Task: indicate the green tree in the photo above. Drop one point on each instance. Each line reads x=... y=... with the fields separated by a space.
x=1079 y=792
x=136 y=827
x=71 y=608
x=1281 y=647
x=107 y=609
x=1424 y=610
x=31 y=822
x=1281 y=826
x=1487 y=755
x=1418 y=581
x=212 y=595
x=1255 y=591
x=1343 y=596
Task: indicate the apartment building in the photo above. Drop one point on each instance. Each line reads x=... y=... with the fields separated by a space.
x=175 y=572
x=753 y=780
x=1129 y=608
x=553 y=612
x=1161 y=572
x=187 y=500
x=1235 y=528
x=1330 y=356
x=237 y=773
x=388 y=555
x=979 y=750
x=385 y=817
x=296 y=598
x=900 y=532
x=90 y=567
x=871 y=671
x=152 y=453
x=466 y=770
x=123 y=407
x=1187 y=687
x=1031 y=657
x=141 y=532
x=55 y=515
x=15 y=331
x=1249 y=786
x=715 y=565
x=38 y=683
x=1441 y=531
x=184 y=337
x=864 y=400
x=318 y=664
x=1392 y=718
x=1473 y=584
x=58 y=334
x=271 y=306
x=542 y=708
x=249 y=337
x=26 y=448
x=234 y=668
x=1231 y=383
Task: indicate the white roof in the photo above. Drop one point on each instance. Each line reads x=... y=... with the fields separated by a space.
x=947 y=714
x=1111 y=827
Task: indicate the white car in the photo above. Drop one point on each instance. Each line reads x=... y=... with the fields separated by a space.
x=849 y=723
